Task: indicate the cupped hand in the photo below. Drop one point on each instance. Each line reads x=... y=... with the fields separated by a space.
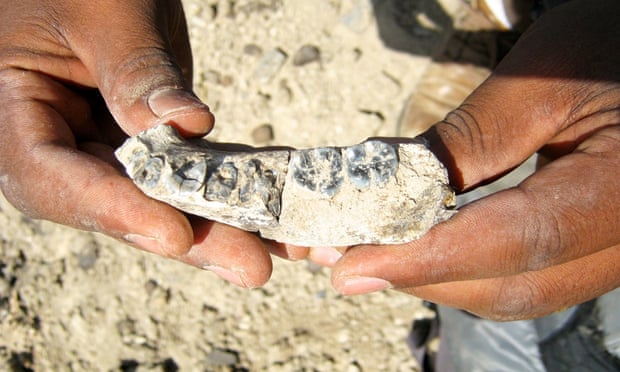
x=554 y=240
x=75 y=78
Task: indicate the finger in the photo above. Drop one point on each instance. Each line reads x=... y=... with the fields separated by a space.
x=78 y=190
x=234 y=255
x=84 y=190
x=134 y=65
x=237 y=256
x=555 y=216
x=288 y=251
x=326 y=256
x=44 y=175
x=532 y=294
x=17 y=85
x=543 y=85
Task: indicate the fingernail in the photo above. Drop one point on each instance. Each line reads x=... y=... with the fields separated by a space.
x=146 y=243
x=168 y=101
x=232 y=276
x=327 y=256
x=362 y=284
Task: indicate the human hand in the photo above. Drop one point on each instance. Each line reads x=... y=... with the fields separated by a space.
x=75 y=78
x=554 y=240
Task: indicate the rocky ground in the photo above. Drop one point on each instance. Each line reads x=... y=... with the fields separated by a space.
x=275 y=72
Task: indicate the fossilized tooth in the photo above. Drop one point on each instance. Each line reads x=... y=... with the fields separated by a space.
x=373 y=192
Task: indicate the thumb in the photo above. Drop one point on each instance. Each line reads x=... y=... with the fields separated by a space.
x=552 y=79
x=491 y=132
x=137 y=64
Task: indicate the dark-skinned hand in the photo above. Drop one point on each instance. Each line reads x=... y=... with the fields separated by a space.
x=554 y=240
x=76 y=77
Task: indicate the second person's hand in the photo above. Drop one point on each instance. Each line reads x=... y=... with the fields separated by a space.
x=554 y=240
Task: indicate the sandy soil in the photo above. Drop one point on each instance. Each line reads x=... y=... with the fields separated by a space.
x=299 y=73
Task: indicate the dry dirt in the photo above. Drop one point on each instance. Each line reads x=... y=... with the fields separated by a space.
x=298 y=73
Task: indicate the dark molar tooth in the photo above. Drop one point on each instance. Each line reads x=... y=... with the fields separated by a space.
x=260 y=182
x=319 y=168
x=268 y=191
x=251 y=169
x=374 y=161
x=191 y=175
x=304 y=171
x=149 y=174
x=221 y=182
x=331 y=174
x=384 y=163
x=357 y=169
x=137 y=159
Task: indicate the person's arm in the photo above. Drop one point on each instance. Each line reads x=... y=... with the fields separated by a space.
x=554 y=240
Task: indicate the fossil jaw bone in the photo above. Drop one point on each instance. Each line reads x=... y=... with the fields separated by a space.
x=373 y=192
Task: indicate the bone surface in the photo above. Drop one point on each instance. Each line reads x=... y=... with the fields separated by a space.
x=374 y=192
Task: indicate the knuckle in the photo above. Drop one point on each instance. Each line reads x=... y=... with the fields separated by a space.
x=14 y=81
x=544 y=235
x=605 y=142
x=521 y=297
x=462 y=123
x=464 y=131
x=145 y=69
x=15 y=87
x=545 y=244
x=14 y=194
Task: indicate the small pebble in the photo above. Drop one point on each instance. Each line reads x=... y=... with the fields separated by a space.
x=252 y=50
x=88 y=255
x=262 y=134
x=220 y=357
x=306 y=54
x=150 y=286
x=270 y=64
